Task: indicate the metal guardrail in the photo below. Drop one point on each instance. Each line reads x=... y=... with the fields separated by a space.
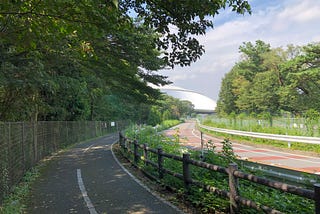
x=232 y=172
x=286 y=138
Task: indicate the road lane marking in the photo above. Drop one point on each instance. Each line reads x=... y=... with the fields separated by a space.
x=85 y=196
x=267 y=154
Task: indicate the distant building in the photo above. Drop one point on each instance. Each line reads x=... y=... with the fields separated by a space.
x=202 y=104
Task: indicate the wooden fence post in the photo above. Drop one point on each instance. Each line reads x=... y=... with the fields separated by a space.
x=125 y=144
x=317 y=198
x=160 y=163
x=233 y=185
x=186 y=170
x=145 y=154
x=135 y=152
x=120 y=140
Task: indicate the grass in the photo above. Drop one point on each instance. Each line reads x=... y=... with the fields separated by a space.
x=283 y=126
x=251 y=125
x=209 y=202
x=15 y=202
x=293 y=146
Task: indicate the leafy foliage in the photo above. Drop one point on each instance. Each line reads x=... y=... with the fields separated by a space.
x=272 y=81
x=68 y=60
x=15 y=202
x=189 y=17
x=59 y=64
x=209 y=202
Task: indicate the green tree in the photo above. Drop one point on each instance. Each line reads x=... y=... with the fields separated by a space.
x=264 y=92
x=242 y=91
x=226 y=102
x=189 y=17
x=92 y=46
x=154 y=117
x=302 y=80
x=62 y=63
x=269 y=81
x=186 y=108
x=252 y=55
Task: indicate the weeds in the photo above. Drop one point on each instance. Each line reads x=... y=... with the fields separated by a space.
x=209 y=202
x=14 y=202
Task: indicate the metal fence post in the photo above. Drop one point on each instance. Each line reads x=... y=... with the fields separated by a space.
x=317 y=198
x=160 y=163
x=35 y=142
x=186 y=170
x=10 y=157
x=201 y=138
x=66 y=140
x=233 y=185
x=23 y=145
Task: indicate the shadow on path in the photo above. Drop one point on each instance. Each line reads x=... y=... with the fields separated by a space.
x=109 y=188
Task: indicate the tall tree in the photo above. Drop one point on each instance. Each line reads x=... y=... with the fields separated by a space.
x=273 y=80
x=264 y=93
x=226 y=102
x=58 y=63
x=302 y=79
x=252 y=55
x=242 y=92
x=188 y=17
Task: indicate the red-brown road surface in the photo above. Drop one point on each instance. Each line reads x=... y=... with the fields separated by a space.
x=190 y=137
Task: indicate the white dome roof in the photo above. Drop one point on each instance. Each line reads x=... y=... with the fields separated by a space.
x=201 y=103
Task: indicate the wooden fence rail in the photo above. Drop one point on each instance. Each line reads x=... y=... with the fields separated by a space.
x=232 y=172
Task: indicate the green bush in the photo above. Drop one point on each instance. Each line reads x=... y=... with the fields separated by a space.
x=209 y=202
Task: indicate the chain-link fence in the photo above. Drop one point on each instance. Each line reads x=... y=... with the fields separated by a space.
x=23 y=144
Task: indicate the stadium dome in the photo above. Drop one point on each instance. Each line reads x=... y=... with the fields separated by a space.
x=202 y=104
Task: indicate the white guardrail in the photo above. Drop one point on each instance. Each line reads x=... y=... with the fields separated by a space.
x=287 y=138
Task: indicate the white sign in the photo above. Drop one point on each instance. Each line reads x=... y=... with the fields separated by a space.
x=113 y=124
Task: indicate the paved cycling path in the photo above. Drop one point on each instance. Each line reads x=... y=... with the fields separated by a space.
x=87 y=179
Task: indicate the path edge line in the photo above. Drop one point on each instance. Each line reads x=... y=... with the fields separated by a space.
x=141 y=184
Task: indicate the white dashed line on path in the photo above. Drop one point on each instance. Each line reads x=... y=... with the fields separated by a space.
x=85 y=196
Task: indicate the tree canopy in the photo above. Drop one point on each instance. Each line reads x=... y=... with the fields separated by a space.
x=272 y=80
x=87 y=59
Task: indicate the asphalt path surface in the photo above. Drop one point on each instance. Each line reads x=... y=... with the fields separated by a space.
x=190 y=137
x=88 y=179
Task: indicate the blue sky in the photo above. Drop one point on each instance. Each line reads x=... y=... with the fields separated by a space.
x=277 y=22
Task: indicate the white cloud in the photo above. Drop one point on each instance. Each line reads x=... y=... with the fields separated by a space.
x=290 y=22
x=316 y=38
x=302 y=12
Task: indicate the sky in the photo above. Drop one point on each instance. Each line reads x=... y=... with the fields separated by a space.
x=276 y=22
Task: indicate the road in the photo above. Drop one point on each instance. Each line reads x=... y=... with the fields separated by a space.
x=88 y=179
x=190 y=137
x=285 y=138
